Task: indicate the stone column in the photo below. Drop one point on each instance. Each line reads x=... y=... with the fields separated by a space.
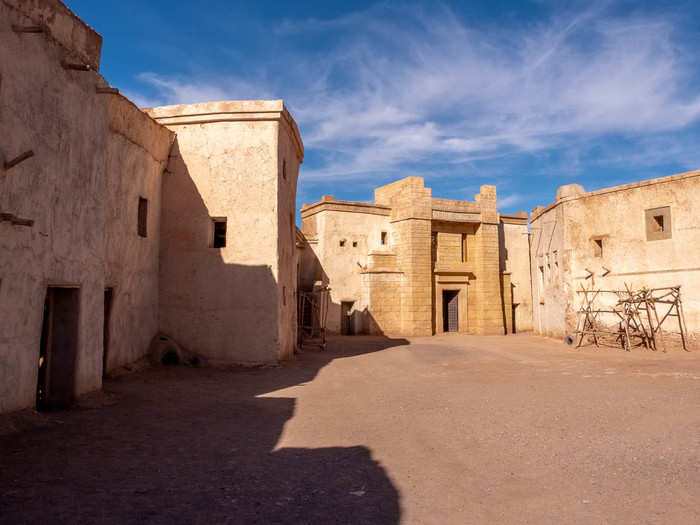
x=489 y=304
x=411 y=229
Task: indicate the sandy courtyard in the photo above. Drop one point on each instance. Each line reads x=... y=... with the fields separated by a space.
x=451 y=429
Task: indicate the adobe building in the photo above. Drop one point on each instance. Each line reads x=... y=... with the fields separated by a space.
x=227 y=272
x=409 y=264
x=639 y=235
x=118 y=227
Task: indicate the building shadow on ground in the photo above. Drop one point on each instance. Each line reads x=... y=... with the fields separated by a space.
x=194 y=445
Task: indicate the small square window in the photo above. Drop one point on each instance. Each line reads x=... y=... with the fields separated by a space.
x=219 y=233
x=354 y=244
x=598 y=247
x=384 y=237
x=342 y=243
x=143 y=217
x=658 y=223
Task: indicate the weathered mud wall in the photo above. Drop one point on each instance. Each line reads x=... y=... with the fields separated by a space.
x=289 y=158
x=515 y=255
x=56 y=114
x=223 y=302
x=55 y=111
x=346 y=233
x=605 y=240
x=137 y=153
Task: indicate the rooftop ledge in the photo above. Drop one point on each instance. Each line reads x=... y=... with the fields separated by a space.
x=329 y=203
x=570 y=193
x=229 y=111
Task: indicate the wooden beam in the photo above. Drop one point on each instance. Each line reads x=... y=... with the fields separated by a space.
x=76 y=66
x=20 y=158
x=22 y=222
x=106 y=90
x=27 y=29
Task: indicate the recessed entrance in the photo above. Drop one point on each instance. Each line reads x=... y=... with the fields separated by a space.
x=346 y=318
x=58 y=349
x=450 y=310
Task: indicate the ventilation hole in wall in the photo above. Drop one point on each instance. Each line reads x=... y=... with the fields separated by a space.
x=598 y=247
x=170 y=358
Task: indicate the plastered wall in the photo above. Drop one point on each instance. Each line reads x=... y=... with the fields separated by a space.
x=136 y=156
x=563 y=244
x=289 y=158
x=515 y=260
x=62 y=190
x=359 y=229
x=229 y=304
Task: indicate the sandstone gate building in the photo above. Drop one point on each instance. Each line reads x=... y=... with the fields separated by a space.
x=411 y=264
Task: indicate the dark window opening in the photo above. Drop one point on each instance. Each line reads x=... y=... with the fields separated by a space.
x=109 y=292
x=464 y=247
x=383 y=238
x=143 y=217
x=219 y=239
x=342 y=243
x=284 y=169
x=354 y=244
x=658 y=224
x=598 y=247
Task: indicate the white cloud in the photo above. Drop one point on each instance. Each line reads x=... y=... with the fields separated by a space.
x=399 y=85
x=188 y=91
x=509 y=201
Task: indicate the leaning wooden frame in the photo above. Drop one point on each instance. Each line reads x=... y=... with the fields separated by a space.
x=635 y=313
x=311 y=317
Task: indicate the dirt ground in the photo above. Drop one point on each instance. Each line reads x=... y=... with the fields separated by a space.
x=448 y=429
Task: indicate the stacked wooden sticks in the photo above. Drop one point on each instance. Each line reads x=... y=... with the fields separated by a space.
x=636 y=314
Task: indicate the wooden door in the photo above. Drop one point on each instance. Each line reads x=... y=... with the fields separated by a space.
x=450 y=310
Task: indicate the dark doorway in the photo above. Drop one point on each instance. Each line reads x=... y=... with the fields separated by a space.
x=58 y=349
x=346 y=325
x=109 y=293
x=450 y=310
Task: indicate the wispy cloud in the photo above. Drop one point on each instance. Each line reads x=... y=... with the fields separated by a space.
x=509 y=201
x=177 y=90
x=396 y=86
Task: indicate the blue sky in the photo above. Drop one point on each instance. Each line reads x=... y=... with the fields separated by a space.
x=524 y=95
